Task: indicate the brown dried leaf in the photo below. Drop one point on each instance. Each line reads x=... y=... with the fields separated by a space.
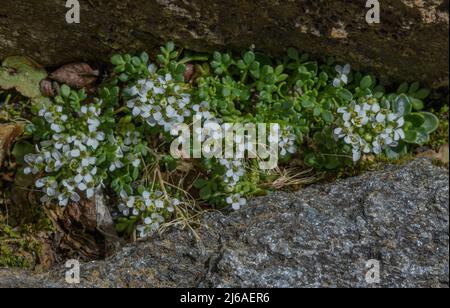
x=76 y=75
x=8 y=133
x=189 y=73
x=442 y=155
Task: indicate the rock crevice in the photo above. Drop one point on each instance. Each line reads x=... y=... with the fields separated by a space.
x=410 y=43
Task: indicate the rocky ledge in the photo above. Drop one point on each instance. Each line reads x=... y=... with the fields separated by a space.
x=409 y=44
x=321 y=236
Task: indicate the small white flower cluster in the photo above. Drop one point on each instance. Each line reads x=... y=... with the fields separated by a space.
x=369 y=128
x=209 y=129
x=151 y=206
x=203 y=110
x=68 y=149
x=342 y=77
x=286 y=140
x=236 y=201
x=124 y=152
x=235 y=170
x=159 y=100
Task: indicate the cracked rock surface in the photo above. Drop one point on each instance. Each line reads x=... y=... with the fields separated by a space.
x=409 y=44
x=321 y=236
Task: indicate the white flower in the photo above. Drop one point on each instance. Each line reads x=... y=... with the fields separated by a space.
x=57 y=128
x=236 y=201
x=342 y=77
x=369 y=128
x=94 y=139
x=203 y=110
x=356 y=155
x=287 y=141
x=234 y=171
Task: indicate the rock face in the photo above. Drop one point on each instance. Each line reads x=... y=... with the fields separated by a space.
x=410 y=43
x=321 y=236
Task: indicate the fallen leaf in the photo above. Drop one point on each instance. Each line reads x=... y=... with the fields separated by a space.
x=189 y=73
x=76 y=75
x=22 y=74
x=50 y=88
x=442 y=155
x=8 y=133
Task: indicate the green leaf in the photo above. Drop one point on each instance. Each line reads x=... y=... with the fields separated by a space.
x=431 y=122
x=20 y=150
x=422 y=136
x=365 y=83
x=327 y=116
x=417 y=104
x=117 y=60
x=403 y=88
x=416 y=119
x=323 y=76
x=200 y=183
x=422 y=94
x=205 y=192
x=249 y=57
x=144 y=57
x=217 y=57
x=332 y=162
x=410 y=136
x=170 y=47
x=395 y=153
x=414 y=88
x=226 y=92
x=402 y=105
x=311 y=160
x=317 y=111
x=307 y=103
x=65 y=91
x=345 y=94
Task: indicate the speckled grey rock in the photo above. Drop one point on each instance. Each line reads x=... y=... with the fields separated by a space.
x=321 y=236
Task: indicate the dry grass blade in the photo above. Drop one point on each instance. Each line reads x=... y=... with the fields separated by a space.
x=293 y=178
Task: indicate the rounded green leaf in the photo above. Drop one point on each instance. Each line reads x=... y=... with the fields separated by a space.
x=311 y=160
x=422 y=94
x=410 y=136
x=414 y=88
x=403 y=88
x=431 y=122
x=327 y=116
x=422 y=136
x=417 y=104
x=394 y=153
x=365 y=83
x=117 y=60
x=402 y=105
x=345 y=94
x=416 y=119
x=65 y=90
x=249 y=58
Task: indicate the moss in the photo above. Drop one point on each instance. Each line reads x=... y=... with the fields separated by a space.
x=441 y=136
x=17 y=250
